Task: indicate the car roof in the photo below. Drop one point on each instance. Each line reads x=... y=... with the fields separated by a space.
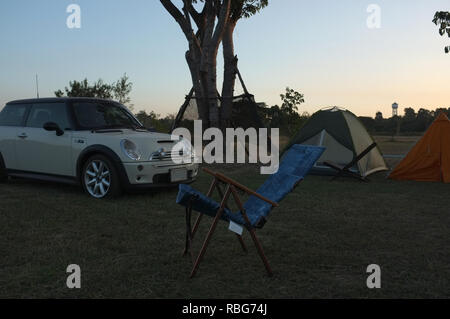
x=59 y=99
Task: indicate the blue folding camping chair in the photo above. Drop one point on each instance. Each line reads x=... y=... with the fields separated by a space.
x=295 y=165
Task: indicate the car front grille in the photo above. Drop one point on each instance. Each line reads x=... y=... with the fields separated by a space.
x=170 y=156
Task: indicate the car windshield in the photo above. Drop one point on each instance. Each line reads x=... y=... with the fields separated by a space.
x=95 y=115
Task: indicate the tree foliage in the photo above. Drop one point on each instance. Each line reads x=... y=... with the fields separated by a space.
x=238 y=8
x=122 y=89
x=286 y=117
x=378 y=116
x=119 y=90
x=291 y=101
x=410 y=114
x=442 y=20
x=155 y=121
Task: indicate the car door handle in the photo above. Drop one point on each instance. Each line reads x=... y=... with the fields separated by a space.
x=23 y=135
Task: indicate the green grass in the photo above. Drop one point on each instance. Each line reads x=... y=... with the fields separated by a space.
x=398 y=145
x=319 y=242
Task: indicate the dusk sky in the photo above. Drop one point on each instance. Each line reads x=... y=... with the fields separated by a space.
x=322 y=49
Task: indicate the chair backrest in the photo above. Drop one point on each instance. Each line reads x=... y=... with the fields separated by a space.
x=299 y=159
x=295 y=165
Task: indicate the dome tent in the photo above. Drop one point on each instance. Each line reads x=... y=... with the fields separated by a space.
x=344 y=137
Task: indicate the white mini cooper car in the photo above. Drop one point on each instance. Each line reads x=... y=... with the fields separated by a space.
x=97 y=143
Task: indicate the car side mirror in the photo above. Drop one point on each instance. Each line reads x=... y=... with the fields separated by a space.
x=52 y=126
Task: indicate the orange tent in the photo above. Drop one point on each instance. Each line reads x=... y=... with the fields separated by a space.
x=429 y=160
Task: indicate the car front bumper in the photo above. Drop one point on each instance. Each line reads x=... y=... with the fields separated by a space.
x=156 y=174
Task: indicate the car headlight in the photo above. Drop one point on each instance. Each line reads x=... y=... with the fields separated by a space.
x=130 y=149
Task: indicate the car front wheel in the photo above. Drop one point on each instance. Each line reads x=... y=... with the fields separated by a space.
x=100 y=178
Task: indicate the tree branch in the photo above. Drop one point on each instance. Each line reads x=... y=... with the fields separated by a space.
x=184 y=23
x=196 y=16
x=210 y=19
x=176 y=14
x=222 y=21
x=187 y=16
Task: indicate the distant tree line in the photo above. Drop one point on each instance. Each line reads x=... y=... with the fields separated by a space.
x=285 y=117
x=411 y=122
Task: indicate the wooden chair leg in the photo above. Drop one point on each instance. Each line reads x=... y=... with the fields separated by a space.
x=261 y=252
x=239 y=237
x=252 y=232
x=211 y=231
x=188 y=232
x=197 y=223
x=188 y=246
x=199 y=218
x=241 y=241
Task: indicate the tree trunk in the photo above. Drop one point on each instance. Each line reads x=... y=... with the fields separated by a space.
x=193 y=59
x=229 y=76
x=200 y=96
x=203 y=48
x=214 y=116
x=204 y=78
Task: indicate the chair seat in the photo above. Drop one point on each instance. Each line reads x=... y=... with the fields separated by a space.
x=275 y=189
x=295 y=164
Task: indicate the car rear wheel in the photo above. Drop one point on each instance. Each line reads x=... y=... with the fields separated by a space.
x=99 y=177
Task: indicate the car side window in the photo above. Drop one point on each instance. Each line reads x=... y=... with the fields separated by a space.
x=89 y=114
x=95 y=115
x=13 y=115
x=42 y=113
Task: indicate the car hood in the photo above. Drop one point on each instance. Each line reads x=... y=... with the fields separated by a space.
x=146 y=141
x=138 y=134
x=148 y=134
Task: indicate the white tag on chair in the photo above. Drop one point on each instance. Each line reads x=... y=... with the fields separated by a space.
x=236 y=228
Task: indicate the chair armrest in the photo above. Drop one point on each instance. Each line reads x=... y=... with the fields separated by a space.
x=230 y=181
